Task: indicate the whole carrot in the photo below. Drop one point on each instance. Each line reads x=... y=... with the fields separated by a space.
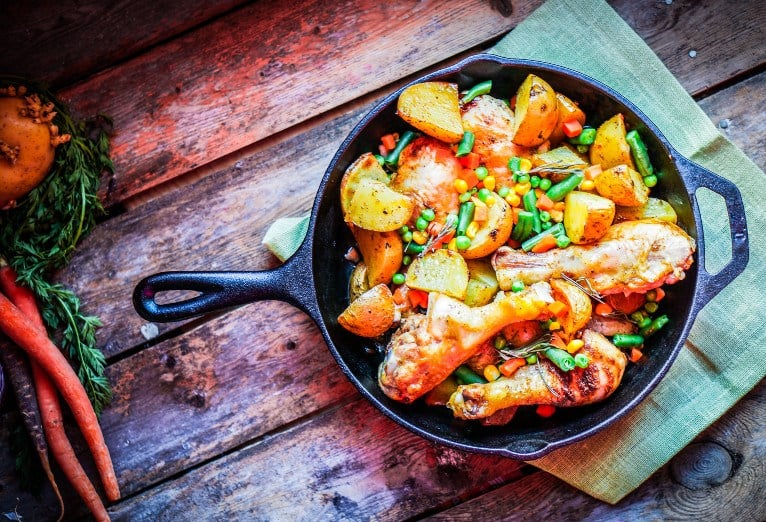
x=41 y=349
x=49 y=405
x=20 y=375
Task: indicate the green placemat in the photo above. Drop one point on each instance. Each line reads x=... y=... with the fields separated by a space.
x=715 y=369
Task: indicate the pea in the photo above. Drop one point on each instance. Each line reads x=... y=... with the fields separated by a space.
x=545 y=184
x=406 y=260
x=563 y=241
x=500 y=342
x=503 y=192
x=532 y=359
x=407 y=236
x=462 y=242
x=465 y=196
x=534 y=181
x=421 y=223
x=428 y=214
x=398 y=279
x=650 y=181
x=523 y=178
x=481 y=172
x=517 y=286
x=404 y=230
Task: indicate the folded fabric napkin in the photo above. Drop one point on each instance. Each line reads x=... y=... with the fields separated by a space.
x=715 y=369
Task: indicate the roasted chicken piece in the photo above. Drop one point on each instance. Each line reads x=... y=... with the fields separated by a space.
x=546 y=384
x=633 y=256
x=427 y=348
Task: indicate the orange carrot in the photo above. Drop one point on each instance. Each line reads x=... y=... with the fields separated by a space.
x=571 y=128
x=603 y=309
x=388 y=141
x=557 y=341
x=50 y=407
x=592 y=172
x=40 y=348
x=545 y=410
x=481 y=213
x=544 y=202
x=556 y=307
x=546 y=243
x=470 y=160
x=470 y=177
x=635 y=355
x=626 y=303
x=510 y=366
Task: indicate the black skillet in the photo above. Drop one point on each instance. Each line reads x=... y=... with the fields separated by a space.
x=315 y=279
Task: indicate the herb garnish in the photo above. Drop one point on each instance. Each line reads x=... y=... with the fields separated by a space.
x=39 y=235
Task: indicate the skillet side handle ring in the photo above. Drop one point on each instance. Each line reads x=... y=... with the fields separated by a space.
x=220 y=290
x=695 y=177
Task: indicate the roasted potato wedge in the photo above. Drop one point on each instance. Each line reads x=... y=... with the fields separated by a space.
x=365 y=167
x=492 y=122
x=434 y=108
x=623 y=185
x=587 y=216
x=654 y=208
x=375 y=206
x=441 y=271
x=382 y=253
x=610 y=148
x=568 y=110
x=371 y=314
x=493 y=233
x=579 y=306
x=357 y=284
x=561 y=156
x=482 y=282
x=536 y=112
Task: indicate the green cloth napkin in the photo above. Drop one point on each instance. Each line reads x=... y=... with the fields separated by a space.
x=715 y=368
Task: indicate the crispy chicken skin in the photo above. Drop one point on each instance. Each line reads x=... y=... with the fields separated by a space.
x=546 y=384
x=633 y=256
x=429 y=347
x=491 y=122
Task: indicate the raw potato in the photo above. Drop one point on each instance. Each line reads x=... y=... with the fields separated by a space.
x=371 y=314
x=493 y=233
x=376 y=207
x=579 y=306
x=434 y=108
x=568 y=110
x=623 y=185
x=442 y=271
x=654 y=208
x=587 y=216
x=358 y=282
x=26 y=153
x=610 y=148
x=482 y=282
x=365 y=167
x=382 y=253
x=536 y=112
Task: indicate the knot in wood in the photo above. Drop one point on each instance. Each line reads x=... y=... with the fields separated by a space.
x=702 y=465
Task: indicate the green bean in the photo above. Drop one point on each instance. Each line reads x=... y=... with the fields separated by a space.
x=477 y=90
x=560 y=358
x=414 y=248
x=523 y=227
x=656 y=324
x=561 y=189
x=627 y=340
x=392 y=158
x=468 y=376
x=586 y=137
x=581 y=360
x=464 y=217
x=530 y=205
x=466 y=144
x=555 y=230
x=639 y=153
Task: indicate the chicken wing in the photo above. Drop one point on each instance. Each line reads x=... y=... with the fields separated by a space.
x=546 y=384
x=429 y=347
x=633 y=256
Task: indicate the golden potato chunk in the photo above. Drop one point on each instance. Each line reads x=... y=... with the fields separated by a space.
x=357 y=284
x=365 y=167
x=442 y=271
x=482 y=282
x=654 y=208
x=382 y=253
x=374 y=206
x=536 y=112
x=371 y=314
x=568 y=110
x=434 y=108
x=494 y=232
x=610 y=147
x=587 y=216
x=623 y=185
x=579 y=306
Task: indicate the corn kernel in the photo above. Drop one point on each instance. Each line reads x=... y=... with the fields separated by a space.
x=419 y=237
x=554 y=325
x=574 y=345
x=491 y=373
x=513 y=199
x=452 y=245
x=460 y=185
x=472 y=229
x=522 y=188
x=587 y=185
x=489 y=182
x=525 y=165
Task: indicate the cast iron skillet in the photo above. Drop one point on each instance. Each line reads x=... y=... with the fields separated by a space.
x=315 y=279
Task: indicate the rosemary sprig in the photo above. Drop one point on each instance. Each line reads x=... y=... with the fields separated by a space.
x=39 y=235
x=540 y=344
x=584 y=284
x=449 y=225
x=557 y=167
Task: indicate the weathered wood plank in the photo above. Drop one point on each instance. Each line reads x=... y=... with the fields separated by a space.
x=350 y=463
x=59 y=42
x=264 y=68
x=725 y=38
x=724 y=482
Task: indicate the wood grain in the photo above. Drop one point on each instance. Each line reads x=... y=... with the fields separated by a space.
x=739 y=434
x=62 y=41
x=349 y=463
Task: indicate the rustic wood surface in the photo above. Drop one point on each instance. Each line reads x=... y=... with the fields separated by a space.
x=226 y=116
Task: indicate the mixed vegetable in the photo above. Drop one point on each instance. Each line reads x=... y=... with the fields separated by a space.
x=447 y=206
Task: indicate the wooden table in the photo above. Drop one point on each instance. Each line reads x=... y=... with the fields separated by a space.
x=226 y=115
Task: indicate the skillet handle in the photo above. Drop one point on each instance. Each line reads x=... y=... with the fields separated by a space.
x=695 y=177
x=290 y=282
